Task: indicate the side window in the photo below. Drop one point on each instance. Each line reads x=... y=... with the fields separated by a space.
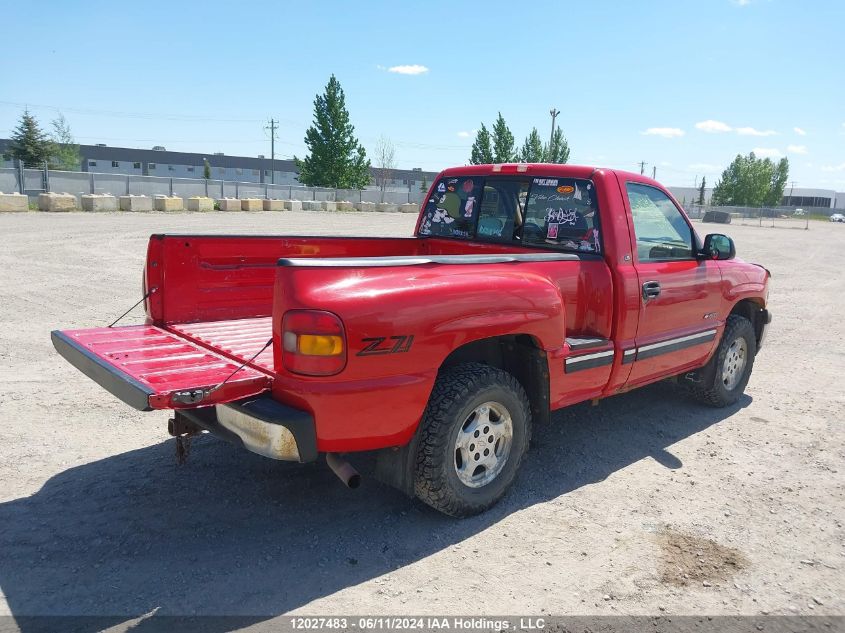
x=562 y=212
x=662 y=232
x=502 y=209
x=452 y=208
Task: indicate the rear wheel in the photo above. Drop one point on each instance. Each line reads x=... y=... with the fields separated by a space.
x=473 y=436
x=723 y=380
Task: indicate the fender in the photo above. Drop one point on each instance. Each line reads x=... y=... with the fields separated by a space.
x=741 y=280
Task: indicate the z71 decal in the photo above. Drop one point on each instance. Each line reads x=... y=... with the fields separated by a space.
x=386 y=345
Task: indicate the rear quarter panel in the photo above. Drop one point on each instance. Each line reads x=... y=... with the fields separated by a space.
x=380 y=397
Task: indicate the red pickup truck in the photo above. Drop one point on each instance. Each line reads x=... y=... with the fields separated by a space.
x=526 y=288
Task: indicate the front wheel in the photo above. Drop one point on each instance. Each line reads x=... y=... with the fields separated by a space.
x=473 y=436
x=723 y=380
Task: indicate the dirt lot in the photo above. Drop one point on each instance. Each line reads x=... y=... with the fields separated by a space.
x=644 y=504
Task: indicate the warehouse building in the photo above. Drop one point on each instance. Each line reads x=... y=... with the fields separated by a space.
x=103 y=159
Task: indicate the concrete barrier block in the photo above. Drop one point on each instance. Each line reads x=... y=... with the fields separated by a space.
x=345 y=206
x=169 y=203
x=135 y=203
x=328 y=205
x=312 y=205
x=251 y=204
x=229 y=204
x=409 y=208
x=199 y=203
x=13 y=202
x=293 y=205
x=387 y=207
x=98 y=202
x=274 y=205
x=365 y=206
x=57 y=202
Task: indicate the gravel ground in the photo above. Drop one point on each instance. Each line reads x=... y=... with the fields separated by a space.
x=644 y=504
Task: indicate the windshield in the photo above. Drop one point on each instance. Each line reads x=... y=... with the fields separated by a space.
x=545 y=212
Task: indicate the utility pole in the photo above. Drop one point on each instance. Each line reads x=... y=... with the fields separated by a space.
x=642 y=167
x=272 y=127
x=654 y=172
x=791 y=189
x=554 y=112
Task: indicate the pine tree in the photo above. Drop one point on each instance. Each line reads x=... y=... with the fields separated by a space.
x=559 y=150
x=336 y=158
x=701 y=191
x=64 y=151
x=532 y=149
x=482 y=150
x=29 y=143
x=503 y=142
x=206 y=169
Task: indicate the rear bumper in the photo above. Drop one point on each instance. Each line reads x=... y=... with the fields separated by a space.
x=262 y=425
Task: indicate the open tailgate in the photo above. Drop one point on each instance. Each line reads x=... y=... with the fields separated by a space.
x=150 y=368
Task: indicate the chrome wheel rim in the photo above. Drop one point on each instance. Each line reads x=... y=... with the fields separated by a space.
x=483 y=444
x=734 y=366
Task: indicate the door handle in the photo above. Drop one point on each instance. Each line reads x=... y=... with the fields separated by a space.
x=651 y=289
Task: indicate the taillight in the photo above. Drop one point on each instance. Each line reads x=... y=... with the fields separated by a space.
x=313 y=343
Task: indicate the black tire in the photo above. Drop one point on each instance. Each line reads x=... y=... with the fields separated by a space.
x=457 y=393
x=707 y=385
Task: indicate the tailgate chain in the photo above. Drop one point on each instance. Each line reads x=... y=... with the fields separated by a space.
x=144 y=298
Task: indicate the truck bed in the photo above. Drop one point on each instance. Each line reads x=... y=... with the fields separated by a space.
x=238 y=338
x=211 y=302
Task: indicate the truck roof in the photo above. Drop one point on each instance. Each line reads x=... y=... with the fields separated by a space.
x=566 y=171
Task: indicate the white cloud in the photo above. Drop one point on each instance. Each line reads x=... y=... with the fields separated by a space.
x=839 y=167
x=465 y=134
x=712 y=126
x=741 y=3
x=408 y=69
x=796 y=149
x=799 y=131
x=750 y=131
x=665 y=132
x=767 y=152
x=705 y=167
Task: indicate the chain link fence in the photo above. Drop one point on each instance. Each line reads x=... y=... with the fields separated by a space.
x=35 y=181
x=772 y=217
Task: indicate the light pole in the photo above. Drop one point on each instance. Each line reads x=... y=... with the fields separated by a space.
x=554 y=112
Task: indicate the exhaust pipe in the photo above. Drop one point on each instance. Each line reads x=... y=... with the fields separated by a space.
x=344 y=470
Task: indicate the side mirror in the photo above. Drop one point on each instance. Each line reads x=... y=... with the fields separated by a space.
x=718 y=246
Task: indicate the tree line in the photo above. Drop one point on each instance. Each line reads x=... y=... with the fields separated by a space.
x=35 y=148
x=500 y=146
x=751 y=182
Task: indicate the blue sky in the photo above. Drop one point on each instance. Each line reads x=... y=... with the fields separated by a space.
x=684 y=86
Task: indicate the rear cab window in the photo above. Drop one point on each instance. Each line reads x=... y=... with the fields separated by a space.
x=452 y=209
x=541 y=212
